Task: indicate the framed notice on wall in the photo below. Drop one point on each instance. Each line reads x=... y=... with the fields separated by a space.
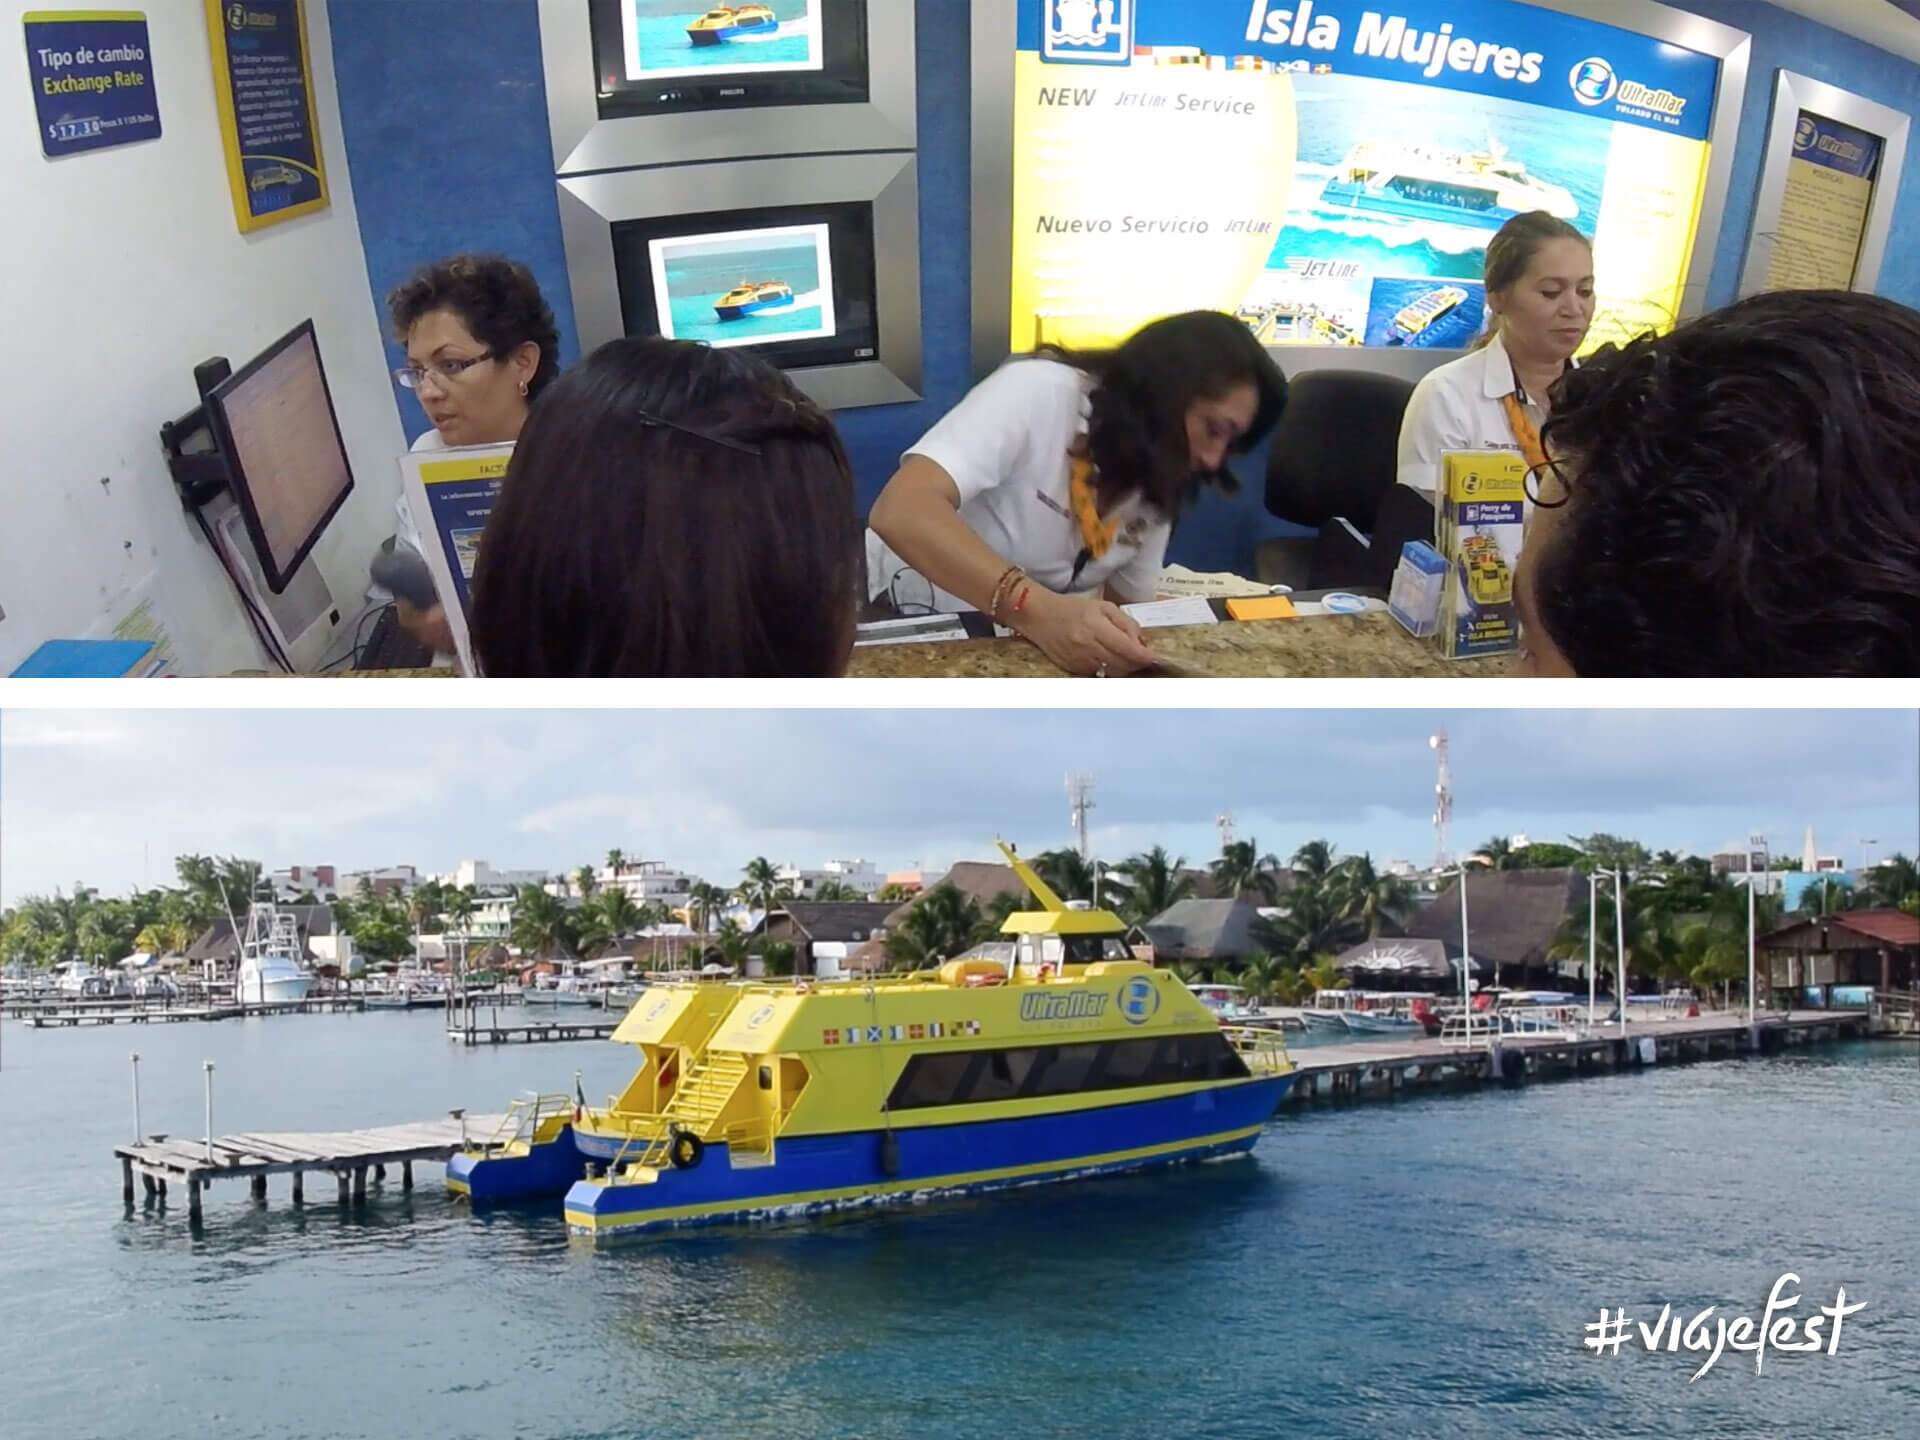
x=92 y=81
x=263 y=82
x=1827 y=190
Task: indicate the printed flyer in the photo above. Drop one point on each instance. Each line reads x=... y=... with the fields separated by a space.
x=1332 y=171
x=450 y=494
x=1823 y=215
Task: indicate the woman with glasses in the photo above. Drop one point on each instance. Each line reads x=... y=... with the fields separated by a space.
x=481 y=345
x=671 y=510
x=1046 y=499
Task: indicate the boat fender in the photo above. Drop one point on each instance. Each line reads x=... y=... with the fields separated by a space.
x=889 y=1154
x=686 y=1150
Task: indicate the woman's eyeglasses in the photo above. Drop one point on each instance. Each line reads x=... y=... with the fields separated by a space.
x=444 y=372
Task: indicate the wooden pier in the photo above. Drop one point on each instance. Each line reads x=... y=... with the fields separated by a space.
x=59 y=1016
x=470 y=1030
x=347 y=1155
x=1379 y=1069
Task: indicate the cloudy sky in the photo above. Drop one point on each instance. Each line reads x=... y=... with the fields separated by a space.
x=109 y=798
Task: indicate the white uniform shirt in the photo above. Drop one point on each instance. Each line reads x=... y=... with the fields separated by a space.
x=404 y=530
x=1006 y=446
x=1459 y=407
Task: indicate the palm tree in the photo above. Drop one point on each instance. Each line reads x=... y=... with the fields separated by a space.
x=1260 y=973
x=456 y=905
x=1241 y=867
x=1068 y=873
x=703 y=901
x=615 y=860
x=1369 y=897
x=1150 y=884
x=730 y=945
x=1894 y=884
x=615 y=909
x=778 y=956
x=541 y=923
x=1313 y=862
x=583 y=882
x=941 y=924
x=1315 y=921
x=762 y=881
x=894 y=894
x=1498 y=853
x=1322 y=974
x=836 y=892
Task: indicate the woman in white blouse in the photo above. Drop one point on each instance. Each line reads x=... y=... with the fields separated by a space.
x=1539 y=275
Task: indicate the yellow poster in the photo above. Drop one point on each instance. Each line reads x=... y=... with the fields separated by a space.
x=1144 y=190
x=269 y=122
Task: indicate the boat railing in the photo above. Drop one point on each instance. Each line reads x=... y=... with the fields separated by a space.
x=1469 y=1028
x=1541 y=1020
x=1263 y=1051
x=521 y=1123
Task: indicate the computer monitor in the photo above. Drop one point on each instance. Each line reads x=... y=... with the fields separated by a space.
x=658 y=57
x=273 y=420
x=798 y=283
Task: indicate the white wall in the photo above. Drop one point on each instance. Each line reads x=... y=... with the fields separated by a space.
x=123 y=270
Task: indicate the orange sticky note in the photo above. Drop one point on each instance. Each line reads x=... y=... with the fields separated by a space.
x=1261 y=607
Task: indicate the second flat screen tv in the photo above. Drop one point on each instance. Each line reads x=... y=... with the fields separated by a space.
x=796 y=284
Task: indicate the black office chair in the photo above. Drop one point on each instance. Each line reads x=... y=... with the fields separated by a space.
x=1332 y=464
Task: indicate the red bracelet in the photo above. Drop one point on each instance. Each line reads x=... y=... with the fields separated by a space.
x=1021 y=603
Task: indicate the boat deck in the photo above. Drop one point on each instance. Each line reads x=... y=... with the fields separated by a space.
x=347 y=1154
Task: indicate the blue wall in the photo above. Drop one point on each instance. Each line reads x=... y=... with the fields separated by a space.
x=448 y=147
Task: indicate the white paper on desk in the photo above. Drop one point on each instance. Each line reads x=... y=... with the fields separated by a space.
x=1211 y=585
x=1156 y=614
x=914 y=630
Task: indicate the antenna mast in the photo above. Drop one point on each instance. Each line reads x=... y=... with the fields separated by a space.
x=1442 y=803
x=1225 y=821
x=1080 y=796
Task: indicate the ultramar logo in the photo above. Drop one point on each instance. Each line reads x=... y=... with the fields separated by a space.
x=1079 y=1005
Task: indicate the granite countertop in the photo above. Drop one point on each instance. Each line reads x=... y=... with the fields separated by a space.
x=1357 y=646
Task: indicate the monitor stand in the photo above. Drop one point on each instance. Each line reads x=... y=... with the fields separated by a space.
x=302 y=616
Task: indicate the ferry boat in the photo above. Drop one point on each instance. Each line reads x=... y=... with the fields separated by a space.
x=1418 y=182
x=1489 y=580
x=755 y=1100
x=1418 y=317
x=750 y=297
x=730 y=22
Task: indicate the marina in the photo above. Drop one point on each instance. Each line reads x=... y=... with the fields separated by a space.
x=471 y=1031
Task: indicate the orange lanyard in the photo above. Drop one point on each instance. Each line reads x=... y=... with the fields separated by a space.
x=1096 y=534
x=1525 y=432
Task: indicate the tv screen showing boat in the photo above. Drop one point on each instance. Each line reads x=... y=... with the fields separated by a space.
x=796 y=284
x=784 y=289
x=659 y=56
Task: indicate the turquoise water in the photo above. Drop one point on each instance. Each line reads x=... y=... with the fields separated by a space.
x=1422 y=1268
x=664 y=44
x=1338 y=111
x=696 y=283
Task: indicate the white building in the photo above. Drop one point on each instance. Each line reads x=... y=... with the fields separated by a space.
x=648 y=882
x=854 y=874
x=485 y=879
x=290 y=882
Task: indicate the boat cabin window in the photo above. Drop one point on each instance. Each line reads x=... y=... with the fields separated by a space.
x=1087 y=949
x=972 y=1077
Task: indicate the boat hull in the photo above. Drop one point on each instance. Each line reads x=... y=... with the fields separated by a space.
x=273 y=989
x=813 y=1174
x=539 y=1171
x=751 y=307
x=732 y=32
x=1380 y=1025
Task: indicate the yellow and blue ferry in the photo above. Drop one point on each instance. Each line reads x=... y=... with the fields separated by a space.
x=730 y=22
x=750 y=297
x=753 y=1101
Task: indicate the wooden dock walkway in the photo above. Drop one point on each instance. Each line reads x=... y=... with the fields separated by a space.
x=1391 y=1067
x=346 y=1154
x=96 y=1012
x=472 y=1031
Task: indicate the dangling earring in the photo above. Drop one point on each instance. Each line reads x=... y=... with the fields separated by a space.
x=523 y=389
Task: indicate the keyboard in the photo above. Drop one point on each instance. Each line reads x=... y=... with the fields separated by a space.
x=391 y=648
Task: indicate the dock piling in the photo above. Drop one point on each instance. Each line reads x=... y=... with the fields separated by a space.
x=299 y=1187
x=406 y=1175
x=359 y=1184
x=193 y=1201
x=126 y=1179
x=260 y=1189
x=136 y=1097
x=341 y=1176
x=207 y=1066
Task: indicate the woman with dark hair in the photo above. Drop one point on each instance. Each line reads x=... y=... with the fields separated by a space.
x=1740 y=497
x=481 y=346
x=1539 y=275
x=1046 y=499
x=671 y=510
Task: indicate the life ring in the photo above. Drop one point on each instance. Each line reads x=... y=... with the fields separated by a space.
x=686 y=1150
